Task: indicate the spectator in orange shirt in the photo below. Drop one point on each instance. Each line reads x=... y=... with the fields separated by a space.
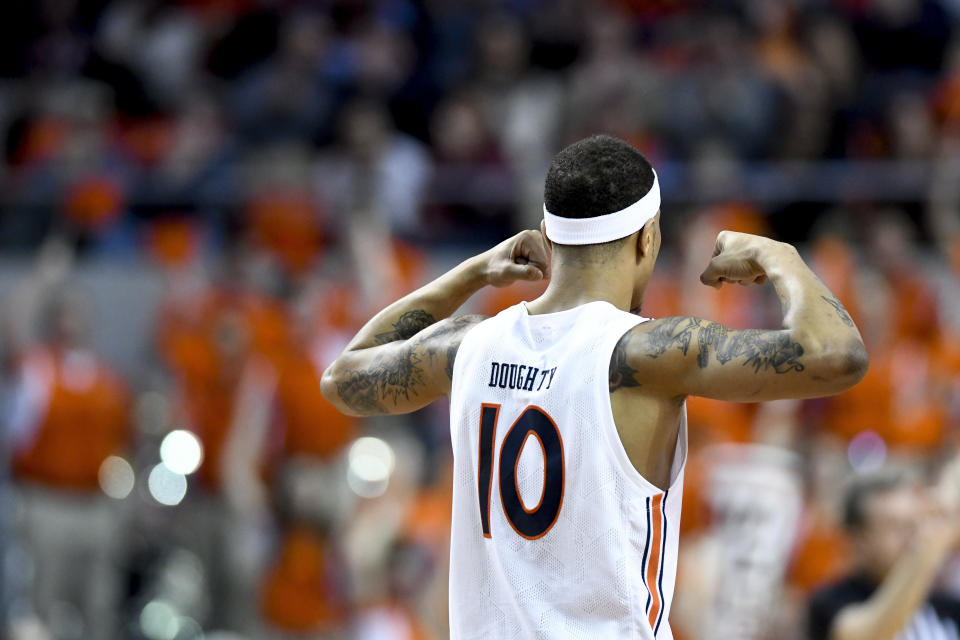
x=221 y=348
x=68 y=412
x=303 y=592
x=285 y=454
x=227 y=528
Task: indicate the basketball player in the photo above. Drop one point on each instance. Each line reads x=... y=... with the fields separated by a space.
x=567 y=413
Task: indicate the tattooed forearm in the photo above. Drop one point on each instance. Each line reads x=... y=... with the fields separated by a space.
x=407 y=325
x=388 y=378
x=840 y=309
x=402 y=375
x=621 y=373
x=359 y=392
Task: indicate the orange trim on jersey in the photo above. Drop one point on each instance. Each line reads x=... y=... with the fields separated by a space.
x=653 y=566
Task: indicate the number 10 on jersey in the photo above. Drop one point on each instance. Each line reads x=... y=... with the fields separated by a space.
x=533 y=422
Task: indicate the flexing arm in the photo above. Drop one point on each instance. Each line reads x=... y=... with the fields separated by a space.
x=402 y=359
x=818 y=351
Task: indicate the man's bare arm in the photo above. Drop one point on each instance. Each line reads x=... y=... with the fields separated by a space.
x=818 y=351
x=402 y=359
x=889 y=609
x=399 y=376
x=908 y=584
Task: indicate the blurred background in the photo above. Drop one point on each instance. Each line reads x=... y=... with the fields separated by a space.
x=201 y=200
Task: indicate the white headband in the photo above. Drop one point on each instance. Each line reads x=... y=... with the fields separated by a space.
x=605 y=228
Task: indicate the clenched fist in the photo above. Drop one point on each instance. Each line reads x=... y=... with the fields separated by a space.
x=525 y=256
x=738 y=257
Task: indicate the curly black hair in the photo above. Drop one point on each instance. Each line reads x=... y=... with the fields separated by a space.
x=596 y=176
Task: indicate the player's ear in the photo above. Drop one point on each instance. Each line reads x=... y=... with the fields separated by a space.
x=647 y=238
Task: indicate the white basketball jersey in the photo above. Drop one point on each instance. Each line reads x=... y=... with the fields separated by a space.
x=555 y=534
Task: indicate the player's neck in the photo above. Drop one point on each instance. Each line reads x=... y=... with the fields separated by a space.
x=572 y=287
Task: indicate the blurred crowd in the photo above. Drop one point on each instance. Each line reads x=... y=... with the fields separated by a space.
x=283 y=169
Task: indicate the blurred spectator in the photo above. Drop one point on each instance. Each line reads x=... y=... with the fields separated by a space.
x=294 y=439
x=222 y=347
x=522 y=106
x=188 y=162
x=902 y=537
x=68 y=155
x=66 y=425
x=158 y=42
x=725 y=94
x=288 y=97
x=395 y=619
x=302 y=591
x=378 y=172
x=754 y=498
x=282 y=214
x=612 y=86
x=473 y=164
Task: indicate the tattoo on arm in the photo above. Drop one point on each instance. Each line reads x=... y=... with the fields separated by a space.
x=407 y=325
x=840 y=309
x=761 y=350
x=447 y=339
x=672 y=332
x=389 y=377
x=401 y=372
x=621 y=373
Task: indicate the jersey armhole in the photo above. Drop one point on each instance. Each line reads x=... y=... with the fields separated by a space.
x=608 y=426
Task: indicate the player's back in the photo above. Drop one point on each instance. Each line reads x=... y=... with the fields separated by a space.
x=555 y=534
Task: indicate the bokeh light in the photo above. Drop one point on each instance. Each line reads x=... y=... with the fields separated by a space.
x=116 y=477
x=867 y=451
x=159 y=621
x=166 y=487
x=371 y=461
x=181 y=452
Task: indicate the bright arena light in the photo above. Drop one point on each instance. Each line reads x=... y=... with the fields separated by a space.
x=116 y=477
x=370 y=463
x=867 y=451
x=159 y=621
x=167 y=487
x=181 y=452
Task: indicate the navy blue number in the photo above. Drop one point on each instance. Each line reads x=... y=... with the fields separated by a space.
x=488 y=429
x=536 y=423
